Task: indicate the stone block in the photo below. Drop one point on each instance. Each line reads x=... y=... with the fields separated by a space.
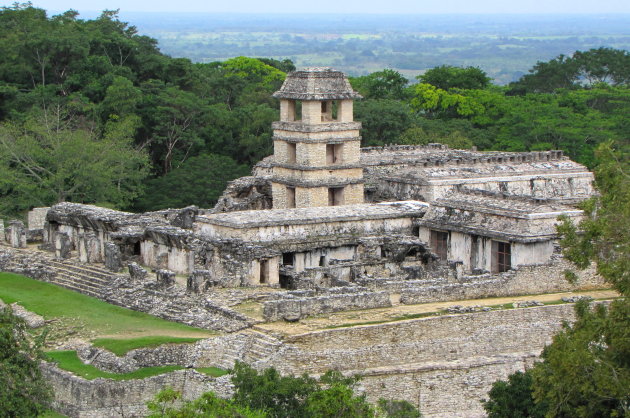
x=37 y=218
x=165 y=278
x=136 y=272
x=113 y=258
x=199 y=281
x=3 y=237
x=17 y=234
x=63 y=245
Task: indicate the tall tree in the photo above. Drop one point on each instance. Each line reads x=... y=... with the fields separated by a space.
x=24 y=392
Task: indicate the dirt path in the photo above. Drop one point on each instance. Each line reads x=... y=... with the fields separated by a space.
x=385 y=314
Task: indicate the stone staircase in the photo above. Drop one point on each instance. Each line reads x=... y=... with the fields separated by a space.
x=87 y=279
x=249 y=346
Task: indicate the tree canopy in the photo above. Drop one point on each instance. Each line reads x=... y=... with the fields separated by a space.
x=24 y=392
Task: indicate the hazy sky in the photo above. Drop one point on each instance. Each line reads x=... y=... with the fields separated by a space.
x=341 y=6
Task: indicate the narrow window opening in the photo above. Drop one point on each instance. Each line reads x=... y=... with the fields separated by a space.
x=290 y=197
x=335 y=196
x=415 y=231
x=439 y=243
x=322 y=261
x=291 y=153
x=334 y=154
x=285 y=281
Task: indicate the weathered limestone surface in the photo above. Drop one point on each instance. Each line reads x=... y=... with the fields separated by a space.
x=2 y=232
x=17 y=234
x=136 y=272
x=113 y=258
x=294 y=309
x=79 y=398
x=37 y=218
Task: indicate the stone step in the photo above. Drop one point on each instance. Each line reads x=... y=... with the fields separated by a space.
x=70 y=286
x=83 y=285
x=73 y=273
x=102 y=274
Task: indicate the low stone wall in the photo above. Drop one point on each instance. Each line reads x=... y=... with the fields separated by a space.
x=524 y=280
x=78 y=397
x=291 y=309
x=445 y=364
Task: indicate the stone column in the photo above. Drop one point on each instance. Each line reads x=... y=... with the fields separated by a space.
x=62 y=245
x=17 y=234
x=165 y=278
x=113 y=258
x=2 y=235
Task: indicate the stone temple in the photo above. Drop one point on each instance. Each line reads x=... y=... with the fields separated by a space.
x=323 y=226
x=341 y=215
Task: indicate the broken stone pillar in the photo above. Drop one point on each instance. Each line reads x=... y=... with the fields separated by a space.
x=186 y=217
x=93 y=248
x=17 y=234
x=63 y=245
x=136 y=272
x=165 y=278
x=199 y=281
x=113 y=258
x=2 y=235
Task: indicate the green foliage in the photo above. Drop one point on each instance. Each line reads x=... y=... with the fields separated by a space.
x=383 y=120
x=603 y=236
x=68 y=360
x=386 y=84
x=41 y=165
x=24 y=391
x=513 y=398
x=267 y=394
x=586 y=370
x=198 y=181
x=446 y=77
x=208 y=405
x=120 y=347
x=279 y=396
x=397 y=409
x=600 y=65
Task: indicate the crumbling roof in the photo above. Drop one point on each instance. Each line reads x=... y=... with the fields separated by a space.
x=318 y=83
x=301 y=216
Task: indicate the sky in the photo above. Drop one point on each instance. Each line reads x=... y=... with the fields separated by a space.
x=339 y=6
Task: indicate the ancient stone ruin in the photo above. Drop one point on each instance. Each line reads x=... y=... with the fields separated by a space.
x=334 y=226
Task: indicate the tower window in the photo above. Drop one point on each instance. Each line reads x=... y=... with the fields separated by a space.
x=290 y=197
x=291 y=153
x=334 y=153
x=335 y=196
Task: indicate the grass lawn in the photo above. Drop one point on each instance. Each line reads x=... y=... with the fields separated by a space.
x=68 y=360
x=122 y=347
x=212 y=371
x=100 y=318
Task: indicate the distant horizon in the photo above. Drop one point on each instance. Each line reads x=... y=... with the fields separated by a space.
x=366 y=7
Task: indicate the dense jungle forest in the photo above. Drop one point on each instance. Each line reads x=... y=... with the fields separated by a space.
x=91 y=111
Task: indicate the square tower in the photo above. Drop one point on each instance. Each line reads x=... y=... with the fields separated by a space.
x=316 y=142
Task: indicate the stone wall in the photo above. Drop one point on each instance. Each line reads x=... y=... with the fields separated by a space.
x=37 y=218
x=293 y=309
x=78 y=397
x=445 y=364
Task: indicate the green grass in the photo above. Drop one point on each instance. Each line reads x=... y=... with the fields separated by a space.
x=120 y=347
x=68 y=360
x=212 y=371
x=51 y=414
x=54 y=302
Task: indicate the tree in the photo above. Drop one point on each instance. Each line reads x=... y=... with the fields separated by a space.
x=446 y=77
x=585 y=371
x=386 y=84
x=43 y=165
x=279 y=396
x=397 y=409
x=24 y=391
x=383 y=120
x=513 y=398
x=198 y=181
